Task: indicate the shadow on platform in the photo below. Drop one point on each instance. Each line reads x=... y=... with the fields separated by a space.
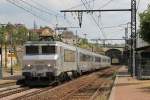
x=145 y=89
x=123 y=74
x=125 y=84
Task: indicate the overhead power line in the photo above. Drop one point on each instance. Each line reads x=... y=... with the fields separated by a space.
x=100 y=29
x=138 y=3
x=27 y=10
x=21 y=4
x=37 y=8
x=47 y=10
x=79 y=5
x=104 y=5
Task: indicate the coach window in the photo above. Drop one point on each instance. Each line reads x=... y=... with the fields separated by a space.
x=97 y=59
x=103 y=60
x=69 y=56
x=89 y=58
x=82 y=57
x=32 y=50
x=48 y=49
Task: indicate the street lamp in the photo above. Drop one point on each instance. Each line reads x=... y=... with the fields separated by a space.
x=11 y=50
x=1 y=72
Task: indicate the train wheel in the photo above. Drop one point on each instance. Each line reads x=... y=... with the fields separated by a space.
x=66 y=76
x=56 y=82
x=20 y=82
x=75 y=74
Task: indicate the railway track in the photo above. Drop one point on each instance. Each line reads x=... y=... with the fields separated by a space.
x=33 y=93
x=92 y=90
x=12 y=91
x=8 y=88
x=84 y=88
x=87 y=87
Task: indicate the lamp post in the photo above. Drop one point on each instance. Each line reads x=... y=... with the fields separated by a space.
x=11 y=50
x=1 y=70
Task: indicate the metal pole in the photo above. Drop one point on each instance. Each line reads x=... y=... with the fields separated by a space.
x=102 y=10
x=1 y=70
x=133 y=35
x=85 y=36
x=11 y=55
x=76 y=37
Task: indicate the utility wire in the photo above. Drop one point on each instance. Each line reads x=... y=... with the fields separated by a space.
x=27 y=10
x=58 y=15
x=36 y=8
x=138 y=5
x=100 y=29
x=104 y=5
x=79 y=5
x=38 y=4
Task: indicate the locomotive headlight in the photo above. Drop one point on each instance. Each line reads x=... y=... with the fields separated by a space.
x=49 y=65
x=29 y=65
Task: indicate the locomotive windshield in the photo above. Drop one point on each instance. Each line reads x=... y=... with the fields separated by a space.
x=32 y=50
x=40 y=50
x=48 y=49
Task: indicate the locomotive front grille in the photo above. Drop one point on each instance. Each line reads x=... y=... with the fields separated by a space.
x=39 y=67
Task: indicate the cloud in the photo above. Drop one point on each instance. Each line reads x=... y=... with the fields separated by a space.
x=3 y=2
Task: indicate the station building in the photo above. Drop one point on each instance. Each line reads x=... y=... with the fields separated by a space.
x=142 y=59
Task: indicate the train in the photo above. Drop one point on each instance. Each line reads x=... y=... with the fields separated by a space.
x=45 y=62
x=115 y=61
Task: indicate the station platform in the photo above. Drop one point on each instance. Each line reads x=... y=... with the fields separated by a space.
x=8 y=78
x=16 y=75
x=6 y=81
x=128 y=88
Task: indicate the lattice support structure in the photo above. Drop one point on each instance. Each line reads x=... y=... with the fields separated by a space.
x=133 y=36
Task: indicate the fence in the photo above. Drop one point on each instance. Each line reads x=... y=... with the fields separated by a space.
x=143 y=68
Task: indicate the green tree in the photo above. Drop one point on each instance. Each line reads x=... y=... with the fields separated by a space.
x=18 y=33
x=83 y=43
x=145 y=25
x=2 y=35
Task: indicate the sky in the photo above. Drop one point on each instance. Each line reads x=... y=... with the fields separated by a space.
x=48 y=12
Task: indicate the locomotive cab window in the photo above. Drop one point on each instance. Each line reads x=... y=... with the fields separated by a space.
x=48 y=49
x=32 y=50
x=97 y=59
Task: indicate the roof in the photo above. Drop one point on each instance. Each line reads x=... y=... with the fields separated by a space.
x=63 y=44
x=143 y=48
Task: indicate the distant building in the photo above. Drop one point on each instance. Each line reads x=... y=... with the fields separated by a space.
x=19 y=25
x=69 y=38
x=43 y=31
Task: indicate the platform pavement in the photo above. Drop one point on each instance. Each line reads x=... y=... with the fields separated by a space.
x=128 y=88
x=8 y=78
x=8 y=74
